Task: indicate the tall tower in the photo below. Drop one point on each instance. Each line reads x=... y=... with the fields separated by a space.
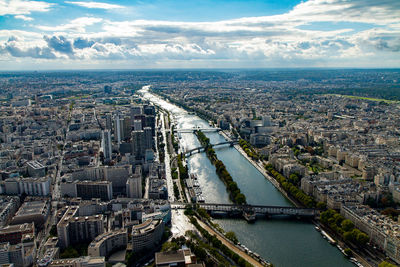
x=138 y=144
x=117 y=129
x=106 y=144
x=148 y=137
x=108 y=122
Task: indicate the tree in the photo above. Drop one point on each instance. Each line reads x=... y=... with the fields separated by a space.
x=348 y=252
x=321 y=205
x=232 y=236
x=362 y=239
x=347 y=225
x=386 y=264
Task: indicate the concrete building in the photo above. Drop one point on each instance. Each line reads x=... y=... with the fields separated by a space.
x=87 y=189
x=32 y=211
x=72 y=229
x=13 y=233
x=138 y=140
x=85 y=261
x=134 y=184
x=137 y=125
x=30 y=186
x=147 y=235
x=117 y=129
x=36 y=169
x=106 y=144
x=106 y=243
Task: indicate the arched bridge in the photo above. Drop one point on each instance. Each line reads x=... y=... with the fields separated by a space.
x=201 y=149
x=259 y=210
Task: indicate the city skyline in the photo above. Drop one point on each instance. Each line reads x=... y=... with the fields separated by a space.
x=43 y=35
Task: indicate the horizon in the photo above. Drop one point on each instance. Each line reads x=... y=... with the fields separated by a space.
x=177 y=34
x=203 y=69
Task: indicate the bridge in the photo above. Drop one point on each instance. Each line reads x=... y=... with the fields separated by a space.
x=201 y=149
x=194 y=129
x=256 y=210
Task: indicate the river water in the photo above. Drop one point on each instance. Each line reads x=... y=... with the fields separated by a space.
x=282 y=242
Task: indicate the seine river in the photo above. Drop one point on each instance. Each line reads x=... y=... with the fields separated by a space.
x=282 y=242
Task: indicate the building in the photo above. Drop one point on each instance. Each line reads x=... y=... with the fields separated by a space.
x=108 y=122
x=117 y=129
x=72 y=229
x=107 y=243
x=137 y=125
x=13 y=233
x=87 y=189
x=134 y=184
x=30 y=186
x=138 y=140
x=106 y=144
x=147 y=235
x=85 y=261
x=36 y=169
x=20 y=255
x=182 y=257
x=32 y=211
x=8 y=206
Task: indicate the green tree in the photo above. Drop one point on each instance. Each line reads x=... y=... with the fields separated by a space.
x=321 y=205
x=347 y=225
x=386 y=264
x=362 y=239
x=348 y=252
x=232 y=236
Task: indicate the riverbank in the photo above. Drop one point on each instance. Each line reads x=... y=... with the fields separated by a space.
x=284 y=242
x=262 y=170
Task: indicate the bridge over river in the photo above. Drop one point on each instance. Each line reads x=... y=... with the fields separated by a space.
x=249 y=212
x=201 y=148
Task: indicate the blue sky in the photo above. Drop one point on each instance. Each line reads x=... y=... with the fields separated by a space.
x=81 y=34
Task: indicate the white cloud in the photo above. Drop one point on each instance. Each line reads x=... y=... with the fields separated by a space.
x=22 y=7
x=76 y=25
x=23 y=17
x=98 y=5
x=255 y=41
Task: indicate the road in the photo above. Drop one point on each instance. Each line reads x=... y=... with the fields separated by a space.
x=168 y=176
x=229 y=244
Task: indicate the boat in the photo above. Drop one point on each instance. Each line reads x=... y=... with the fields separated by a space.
x=317 y=228
x=330 y=239
x=249 y=216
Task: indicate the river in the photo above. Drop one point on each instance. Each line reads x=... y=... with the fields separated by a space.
x=285 y=243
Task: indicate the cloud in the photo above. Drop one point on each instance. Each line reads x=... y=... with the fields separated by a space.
x=59 y=44
x=76 y=25
x=98 y=5
x=23 y=17
x=277 y=40
x=81 y=43
x=22 y=7
x=17 y=48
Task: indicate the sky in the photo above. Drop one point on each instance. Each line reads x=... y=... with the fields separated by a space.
x=173 y=34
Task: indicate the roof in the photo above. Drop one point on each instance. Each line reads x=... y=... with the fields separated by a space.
x=170 y=257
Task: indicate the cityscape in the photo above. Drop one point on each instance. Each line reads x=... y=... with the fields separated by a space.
x=199 y=133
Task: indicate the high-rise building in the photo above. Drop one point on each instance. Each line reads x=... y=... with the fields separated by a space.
x=134 y=184
x=106 y=144
x=148 y=137
x=137 y=125
x=138 y=144
x=149 y=110
x=98 y=189
x=108 y=122
x=127 y=128
x=117 y=129
x=135 y=110
x=72 y=229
